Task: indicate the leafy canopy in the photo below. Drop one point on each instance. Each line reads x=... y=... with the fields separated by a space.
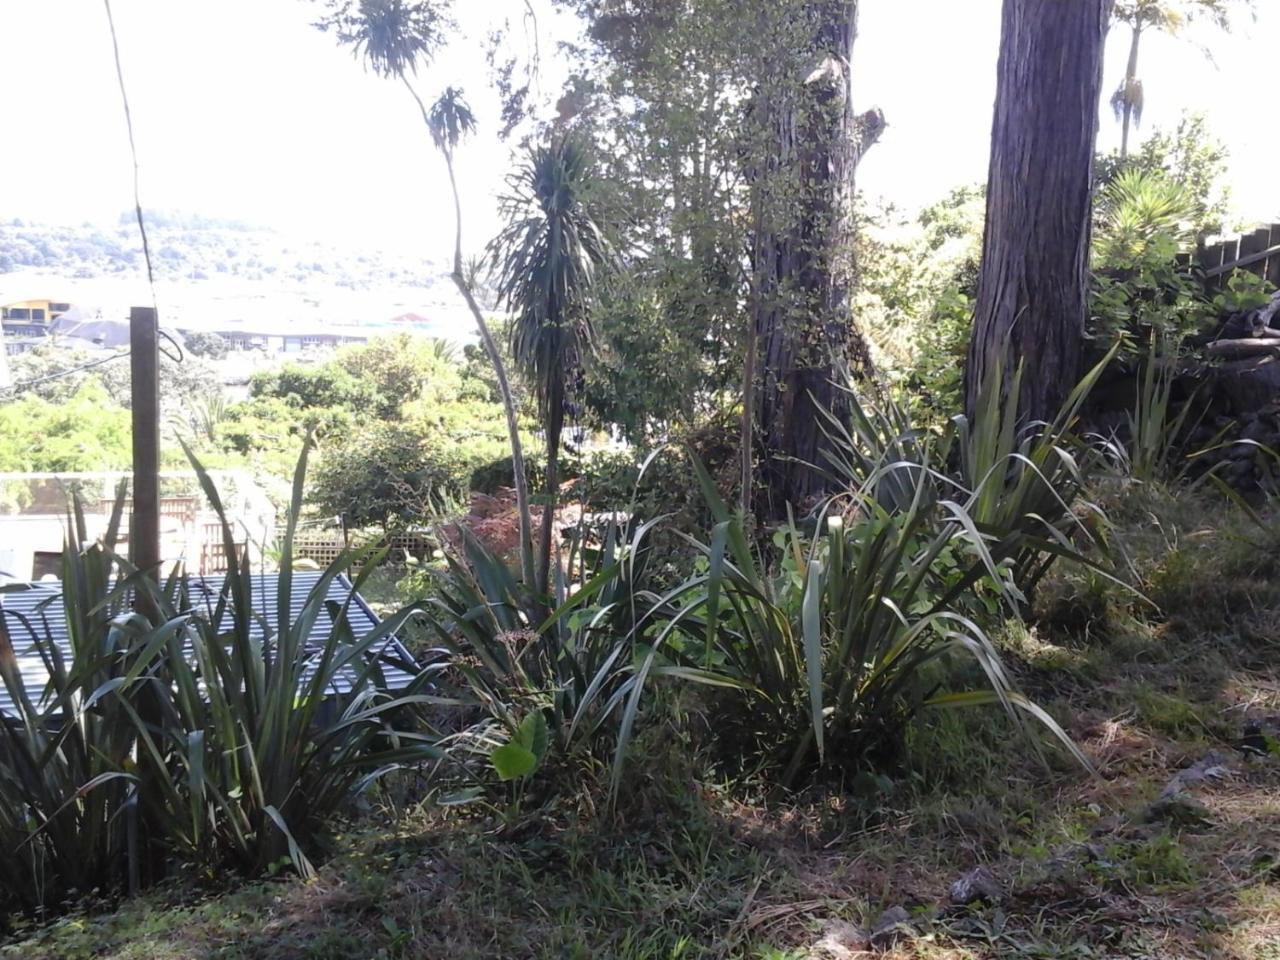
x=392 y=37
x=84 y=432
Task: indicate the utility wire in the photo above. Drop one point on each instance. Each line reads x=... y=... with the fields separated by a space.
x=26 y=384
x=133 y=150
x=176 y=345
x=14 y=388
x=142 y=231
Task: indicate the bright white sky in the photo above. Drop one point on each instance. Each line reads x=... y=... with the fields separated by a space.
x=243 y=110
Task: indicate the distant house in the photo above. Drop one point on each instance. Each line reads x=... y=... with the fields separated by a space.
x=270 y=325
x=29 y=321
x=33 y=519
x=33 y=616
x=278 y=336
x=30 y=318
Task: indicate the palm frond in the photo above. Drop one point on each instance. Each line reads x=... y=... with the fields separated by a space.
x=450 y=120
x=393 y=37
x=548 y=257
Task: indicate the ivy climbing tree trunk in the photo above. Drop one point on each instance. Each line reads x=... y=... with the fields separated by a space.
x=1033 y=285
x=804 y=253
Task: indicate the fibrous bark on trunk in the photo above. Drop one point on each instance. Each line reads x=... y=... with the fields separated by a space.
x=1033 y=286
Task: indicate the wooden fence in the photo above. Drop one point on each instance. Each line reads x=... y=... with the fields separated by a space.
x=213 y=550
x=1257 y=252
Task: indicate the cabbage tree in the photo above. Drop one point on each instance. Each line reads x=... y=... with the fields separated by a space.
x=1165 y=16
x=394 y=38
x=548 y=258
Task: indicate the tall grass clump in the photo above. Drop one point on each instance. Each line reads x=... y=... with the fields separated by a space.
x=561 y=676
x=1152 y=447
x=820 y=647
x=823 y=657
x=1020 y=484
x=825 y=645
x=261 y=728
x=206 y=731
x=68 y=787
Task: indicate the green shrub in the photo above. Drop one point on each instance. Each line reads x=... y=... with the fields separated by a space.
x=312 y=387
x=83 y=432
x=493 y=475
x=385 y=476
x=1142 y=223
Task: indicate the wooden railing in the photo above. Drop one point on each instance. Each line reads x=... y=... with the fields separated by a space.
x=1257 y=252
x=213 y=549
x=182 y=509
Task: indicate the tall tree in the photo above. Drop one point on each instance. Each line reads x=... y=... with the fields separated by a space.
x=731 y=128
x=1033 y=284
x=394 y=37
x=660 y=88
x=1168 y=16
x=548 y=256
x=803 y=264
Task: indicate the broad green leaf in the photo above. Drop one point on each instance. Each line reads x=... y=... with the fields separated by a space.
x=513 y=760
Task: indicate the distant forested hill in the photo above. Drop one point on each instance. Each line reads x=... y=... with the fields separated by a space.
x=190 y=247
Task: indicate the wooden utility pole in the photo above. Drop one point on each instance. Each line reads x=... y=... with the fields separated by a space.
x=144 y=362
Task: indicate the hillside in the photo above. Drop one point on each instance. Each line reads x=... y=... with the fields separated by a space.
x=194 y=247
x=206 y=266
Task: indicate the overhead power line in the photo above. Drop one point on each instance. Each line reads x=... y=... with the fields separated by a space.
x=133 y=151
x=27 y=384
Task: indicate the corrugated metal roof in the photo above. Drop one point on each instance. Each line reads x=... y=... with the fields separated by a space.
x=37 y=613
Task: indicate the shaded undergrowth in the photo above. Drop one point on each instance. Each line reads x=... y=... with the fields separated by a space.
x=688 y=867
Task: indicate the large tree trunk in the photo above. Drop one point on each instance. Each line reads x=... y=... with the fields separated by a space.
x=804 y=266
x=1033 y=288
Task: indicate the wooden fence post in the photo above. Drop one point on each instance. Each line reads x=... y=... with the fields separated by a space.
x=144 y=363
x=1272 y=271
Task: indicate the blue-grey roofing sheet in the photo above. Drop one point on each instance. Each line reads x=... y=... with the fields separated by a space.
x=41 y=607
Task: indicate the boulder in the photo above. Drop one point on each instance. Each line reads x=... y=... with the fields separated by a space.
x=1250 y=384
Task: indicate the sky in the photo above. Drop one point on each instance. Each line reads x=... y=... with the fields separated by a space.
x=243 y=110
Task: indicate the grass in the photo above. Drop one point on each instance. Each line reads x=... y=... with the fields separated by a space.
x=691 y=868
